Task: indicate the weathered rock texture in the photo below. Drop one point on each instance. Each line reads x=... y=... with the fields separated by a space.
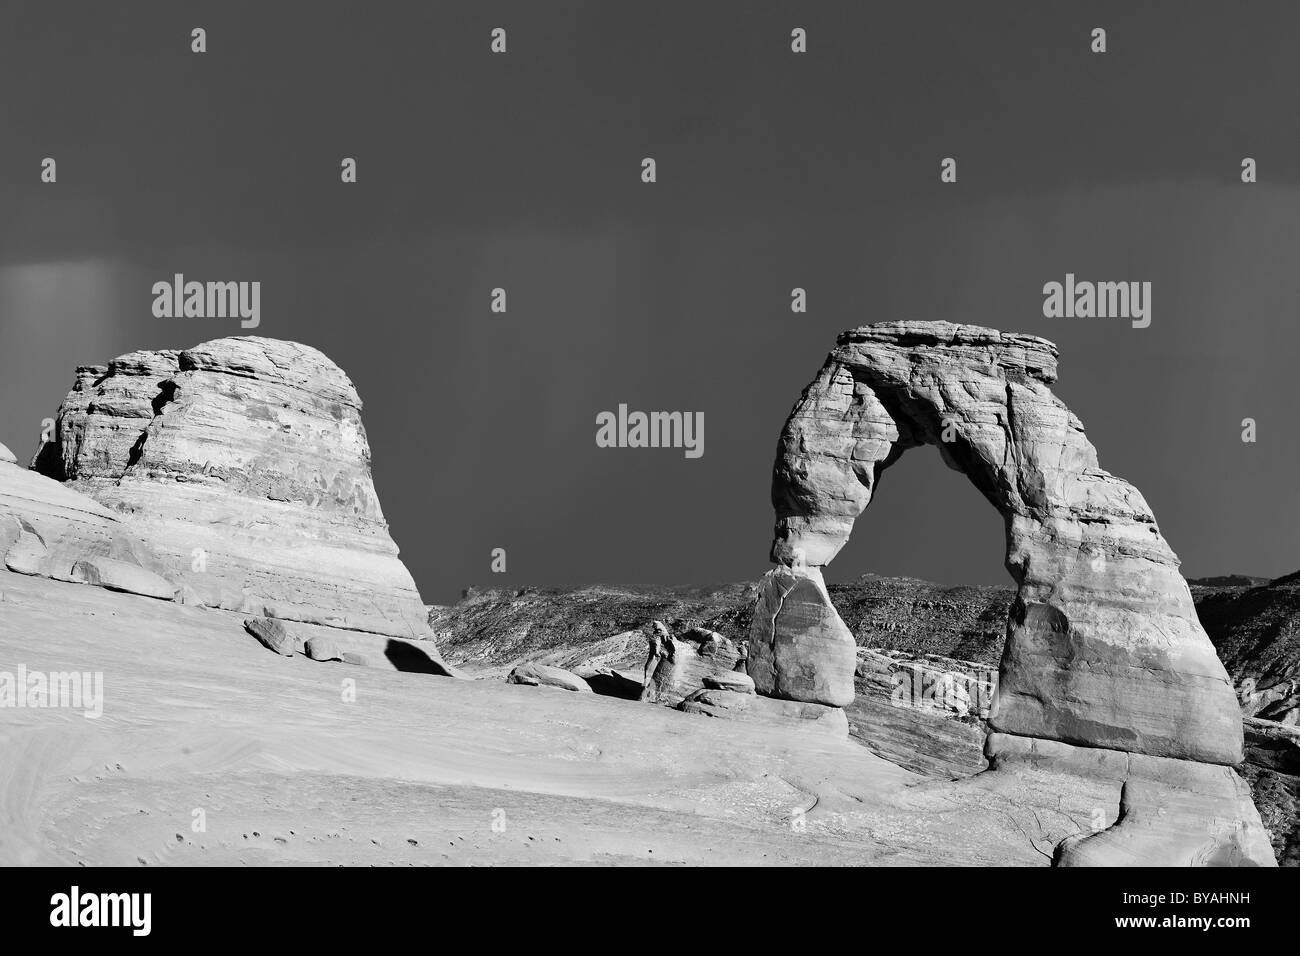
x=801 y=650
x=1171 y=812
x=677 y=665
x=910 y=633
x=48 y=529
x=245 y=462
x=1255 y=626
x=1104 y=648
x=533 y=674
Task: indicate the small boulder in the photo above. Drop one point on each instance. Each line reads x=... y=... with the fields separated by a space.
x=120 y=576
x=6 y=455
x=322 y=649
x=533 y=674
x=271 y=633
x=27 y=555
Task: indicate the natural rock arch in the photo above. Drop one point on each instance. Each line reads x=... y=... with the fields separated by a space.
x=1104 y=648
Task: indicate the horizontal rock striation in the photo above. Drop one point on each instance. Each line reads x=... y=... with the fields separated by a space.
x=245 y=463
x=1104 y=648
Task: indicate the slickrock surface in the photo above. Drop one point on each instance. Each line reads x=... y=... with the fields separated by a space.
x=1171 y=812
x=410 y=769
x=918 y=625
x=746 y=705
x=303 y=775
x=245 y=463
x=1104 y=647
x=48 y=529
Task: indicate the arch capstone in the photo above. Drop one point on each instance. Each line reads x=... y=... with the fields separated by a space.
x=1104 y=648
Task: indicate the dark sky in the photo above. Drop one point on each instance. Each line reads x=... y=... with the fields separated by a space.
x=775 y=171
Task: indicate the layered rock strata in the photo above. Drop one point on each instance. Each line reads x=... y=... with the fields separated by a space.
x=1104 y=648
x=244 y=462
x=678 y=665
x=48 y=529
x=1104 y=652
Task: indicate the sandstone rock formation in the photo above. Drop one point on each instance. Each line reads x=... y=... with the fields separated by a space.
x=1104 y=648
x=1171 y=813
x=273 y=634
x=50 y=530
x=800 y=649
x=1104 y=651
x=321 y=649
x=677 y=665
x=122 y=576
x=534 y=674
x=244 y=462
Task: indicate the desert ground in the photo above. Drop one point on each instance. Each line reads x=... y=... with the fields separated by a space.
x=201 y=724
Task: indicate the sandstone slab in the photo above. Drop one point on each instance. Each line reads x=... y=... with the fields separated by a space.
x=273 y=634
x=534 y=675
x=47 y=529
x=121 y=576
x=322 y=649
x=1171 y=812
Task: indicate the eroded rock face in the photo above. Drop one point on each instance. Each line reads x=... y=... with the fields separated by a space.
x=676 y=665
x=799 y=649
x=48 y=529
x=533 y=674
x=1104 y=647
x=1171 y=812
x=245 y=463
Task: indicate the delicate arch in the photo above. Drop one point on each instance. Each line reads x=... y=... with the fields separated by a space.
x=1104 y=648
